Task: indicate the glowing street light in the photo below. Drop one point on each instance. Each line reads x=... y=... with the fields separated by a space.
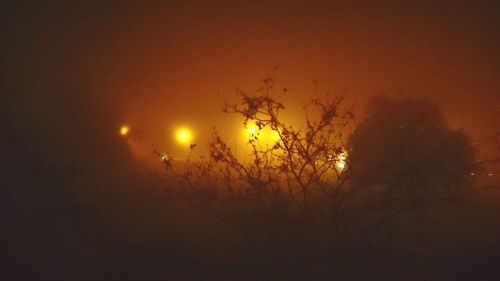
x=341 y=161
x=264 y=134
x=183 y=136
x=252 y=131
x=124 y=130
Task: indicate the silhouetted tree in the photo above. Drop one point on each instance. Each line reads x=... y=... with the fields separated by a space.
x=406 y=149
x=292 y=194
x=286 y=188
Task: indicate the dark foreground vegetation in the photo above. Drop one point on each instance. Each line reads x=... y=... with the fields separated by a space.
x=401 y=197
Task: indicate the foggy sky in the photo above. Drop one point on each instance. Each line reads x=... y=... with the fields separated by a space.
x=73 y=71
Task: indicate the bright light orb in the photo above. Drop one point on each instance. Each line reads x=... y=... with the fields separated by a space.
x=264 y=134
x=124 y=130
x=251 y=131
x=184 y=136
x=341 y=161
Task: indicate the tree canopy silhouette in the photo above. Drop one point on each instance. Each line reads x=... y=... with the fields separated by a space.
x=406 y=146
